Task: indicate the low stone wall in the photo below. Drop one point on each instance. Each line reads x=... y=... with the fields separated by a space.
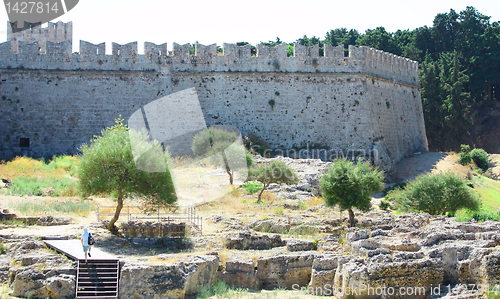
x=153 y=229
x=173 y=281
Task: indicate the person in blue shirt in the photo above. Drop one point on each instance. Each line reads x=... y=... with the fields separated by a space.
x=85 y=243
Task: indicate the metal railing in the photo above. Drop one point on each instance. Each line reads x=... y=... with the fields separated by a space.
x=189 y=218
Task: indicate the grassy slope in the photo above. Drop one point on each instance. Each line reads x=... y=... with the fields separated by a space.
x=489 y=191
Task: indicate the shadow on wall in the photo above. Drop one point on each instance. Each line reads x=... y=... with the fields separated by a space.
x=410 y=168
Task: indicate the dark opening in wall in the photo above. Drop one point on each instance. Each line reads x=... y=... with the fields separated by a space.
x=24 y=142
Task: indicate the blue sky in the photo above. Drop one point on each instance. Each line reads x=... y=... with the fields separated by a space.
x=220 y=21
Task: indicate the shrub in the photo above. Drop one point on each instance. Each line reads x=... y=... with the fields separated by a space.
x=400 y=185
x=279 y=210
x=436 y=194
x=68 y=163
x=252 y=186
x=480 y=216
x=465 y=158
x=256 y=144
x=384 y=205
x=275 y=173
x=108 y=165
x=480 y=157
x=351 y=185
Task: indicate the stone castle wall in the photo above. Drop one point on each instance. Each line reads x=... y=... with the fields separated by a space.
x=59 y=100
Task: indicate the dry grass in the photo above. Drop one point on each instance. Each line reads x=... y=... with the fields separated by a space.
x=314 y=201
x=196 y=184
x=23 y=166
x=29 y=167
x=269 y=198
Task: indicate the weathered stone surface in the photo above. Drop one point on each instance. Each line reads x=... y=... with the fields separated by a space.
x=5 y=265
x=152 y=229
x=54 y=283
x=246 y=240
x=270 y=226
x=299 y=245
x=240 y=273
x=62 y=286
x=285 y=270
x=168 y=281
x=355 y=236
x=490 y=269
x=418 y=274
x=324 y=269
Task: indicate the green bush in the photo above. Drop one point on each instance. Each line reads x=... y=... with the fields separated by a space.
x=351 y=185
x=480 y=157
x=256 y=144
x=68 y=163
x=400 y=185
x=252 y=186
x=384 y=205
x=436 y=194
x=464 y=154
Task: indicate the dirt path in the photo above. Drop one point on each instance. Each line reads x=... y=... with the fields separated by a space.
x=434 y=162
x=494 y=170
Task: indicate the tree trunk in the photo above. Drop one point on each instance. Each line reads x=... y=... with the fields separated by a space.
x=228 y=170
x=352 y=223
x=260 y=194
x=111 y=225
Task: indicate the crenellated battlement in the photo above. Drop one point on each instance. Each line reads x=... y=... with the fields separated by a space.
x=51 y=48
x=32 y=32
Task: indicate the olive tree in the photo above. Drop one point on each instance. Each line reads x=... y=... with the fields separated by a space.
x=221 y=146
x=350 y=185
x=274 y=173
x=108 y=166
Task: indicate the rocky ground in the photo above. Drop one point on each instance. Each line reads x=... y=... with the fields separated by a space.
x=305 y=250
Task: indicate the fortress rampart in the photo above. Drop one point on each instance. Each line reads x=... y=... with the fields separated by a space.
x=335 y=101
x=51 y=48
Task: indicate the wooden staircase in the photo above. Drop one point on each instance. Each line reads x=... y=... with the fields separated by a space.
x=97 y=279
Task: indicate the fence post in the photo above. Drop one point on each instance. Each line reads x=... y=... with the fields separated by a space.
x=158 y=213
